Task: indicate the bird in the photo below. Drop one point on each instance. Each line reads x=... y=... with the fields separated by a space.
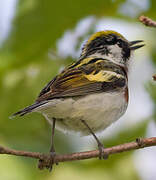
x=91 y=93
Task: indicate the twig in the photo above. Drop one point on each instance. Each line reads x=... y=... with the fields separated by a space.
x=138 y=144
x=147 y=21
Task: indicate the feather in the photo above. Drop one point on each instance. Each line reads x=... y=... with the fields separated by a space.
x=88 y=76
x=93 y=76
x=28 y=109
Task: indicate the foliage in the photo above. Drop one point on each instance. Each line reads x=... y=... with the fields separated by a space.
x=25 y=68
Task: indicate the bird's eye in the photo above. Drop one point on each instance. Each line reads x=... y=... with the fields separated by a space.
x=120 y=43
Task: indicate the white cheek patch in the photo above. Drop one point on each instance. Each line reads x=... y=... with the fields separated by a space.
x=114 y=55
x=116 y=52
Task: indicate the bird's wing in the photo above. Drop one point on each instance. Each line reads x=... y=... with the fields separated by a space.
x=97 y=75
x=92 y=76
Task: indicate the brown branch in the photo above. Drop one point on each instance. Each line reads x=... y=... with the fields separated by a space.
x=45 y=158
x=147 y=21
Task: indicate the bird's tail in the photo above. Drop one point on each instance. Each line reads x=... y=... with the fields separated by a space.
x=28 y=109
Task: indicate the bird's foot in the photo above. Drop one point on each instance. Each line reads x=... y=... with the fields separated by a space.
x=102 y=153
x=48 y=164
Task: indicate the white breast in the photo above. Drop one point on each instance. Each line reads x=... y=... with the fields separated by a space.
x=98 y=110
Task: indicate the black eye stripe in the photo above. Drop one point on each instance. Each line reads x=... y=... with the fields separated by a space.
x=102 y=41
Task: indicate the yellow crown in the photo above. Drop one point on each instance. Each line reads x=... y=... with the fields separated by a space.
x=104 y=33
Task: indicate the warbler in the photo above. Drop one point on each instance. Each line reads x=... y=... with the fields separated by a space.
x=92 y=93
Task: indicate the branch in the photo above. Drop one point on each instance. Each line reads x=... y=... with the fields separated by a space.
x=147 y=21
x=46 y=158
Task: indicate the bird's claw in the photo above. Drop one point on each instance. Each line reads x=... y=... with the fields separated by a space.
x=48 y=164
x=102 y=154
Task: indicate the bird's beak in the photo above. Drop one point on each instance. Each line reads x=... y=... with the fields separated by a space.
x=132 y=43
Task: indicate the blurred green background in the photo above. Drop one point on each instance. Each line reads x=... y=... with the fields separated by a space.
x=30 y=56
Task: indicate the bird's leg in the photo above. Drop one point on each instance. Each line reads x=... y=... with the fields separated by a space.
x=102 y=154
x=52 y=151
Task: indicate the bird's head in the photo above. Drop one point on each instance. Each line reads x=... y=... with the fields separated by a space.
x=110 y=45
